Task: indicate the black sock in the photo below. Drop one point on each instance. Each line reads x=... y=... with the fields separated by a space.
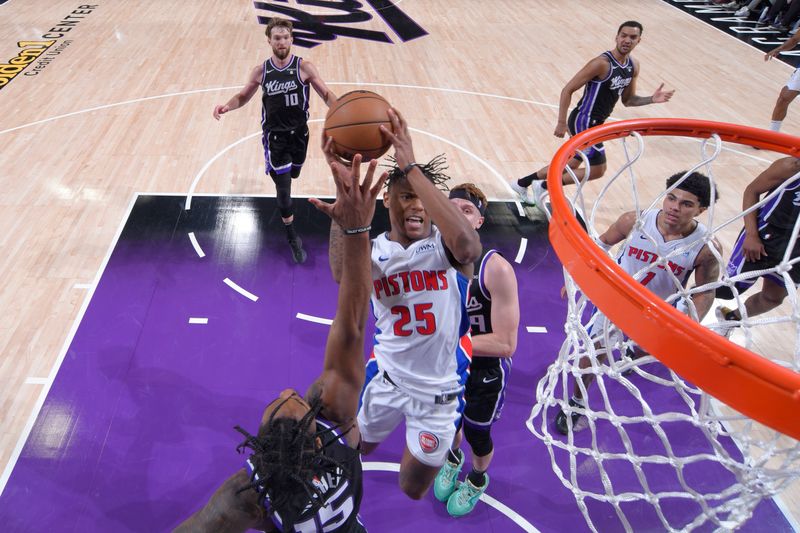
x=477 y=477
x=290 y=233
x=527 y=180
x=453 y=457
x=732 y=315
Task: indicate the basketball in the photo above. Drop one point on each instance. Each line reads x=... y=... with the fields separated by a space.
x=353 y=123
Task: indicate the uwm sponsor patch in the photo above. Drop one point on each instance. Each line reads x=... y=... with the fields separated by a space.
x=317 y=21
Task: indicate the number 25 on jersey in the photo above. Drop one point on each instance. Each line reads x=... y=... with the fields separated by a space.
x=424 y=321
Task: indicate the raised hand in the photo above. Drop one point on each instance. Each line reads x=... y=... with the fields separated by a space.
x=661 y=96
x=355 y=200
x=400 y=139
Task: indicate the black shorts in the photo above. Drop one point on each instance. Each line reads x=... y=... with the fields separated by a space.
x=597 y=153
x=775 y=242
x=285 y=151
x=485 y=394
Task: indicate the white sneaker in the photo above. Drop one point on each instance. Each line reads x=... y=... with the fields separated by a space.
x=742 y=12
x=524 y=193
x=723 y=326
x=540 y=194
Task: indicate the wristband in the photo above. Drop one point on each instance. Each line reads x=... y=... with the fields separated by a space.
x=408 y=168
x=356 y=231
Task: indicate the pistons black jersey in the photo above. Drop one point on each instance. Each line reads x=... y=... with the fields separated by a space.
x=342 y=491
x=782 y=210
x=600 y=96
x=479 y=308
x=284 y=97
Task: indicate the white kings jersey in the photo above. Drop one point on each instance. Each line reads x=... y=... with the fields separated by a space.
x=647 y=245
x=422 y=328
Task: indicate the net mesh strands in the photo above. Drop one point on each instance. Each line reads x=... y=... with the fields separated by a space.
x=679 y=426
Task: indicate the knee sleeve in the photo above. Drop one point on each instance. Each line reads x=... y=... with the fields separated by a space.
x=480 y=440
x=283 y=188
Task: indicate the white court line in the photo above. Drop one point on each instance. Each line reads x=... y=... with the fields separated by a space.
x=523 y=245
x=126 y=102
x=240 y=290
x=82 y=286
x=198 y=320
x=36 y=381
x=196 y=245
x=491 y=169
x=315 y=319
x=356 y=83
x=26 y=431
x=375 y=466
x=536 y=329
x=196 y=179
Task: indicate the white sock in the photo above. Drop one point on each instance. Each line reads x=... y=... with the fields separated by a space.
x=775 y=125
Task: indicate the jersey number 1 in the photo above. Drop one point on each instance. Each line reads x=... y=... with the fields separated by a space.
x=423 y=316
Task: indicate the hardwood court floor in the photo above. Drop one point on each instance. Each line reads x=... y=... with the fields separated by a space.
x=122 y=103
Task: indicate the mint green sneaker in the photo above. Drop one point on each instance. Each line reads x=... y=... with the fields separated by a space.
x=445 y=483
x=463 y=501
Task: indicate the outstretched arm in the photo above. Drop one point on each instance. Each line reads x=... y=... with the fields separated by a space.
x=342 y=376
x=501 y=282
x=229 y=510
x=631 y=99
x=243 y=96
x=459 y=236
x=310 y=74
x=790 y=43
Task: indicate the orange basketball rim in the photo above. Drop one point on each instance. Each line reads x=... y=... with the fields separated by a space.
x=746 y=381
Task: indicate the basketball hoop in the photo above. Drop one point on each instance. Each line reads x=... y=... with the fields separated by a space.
x=722 y=391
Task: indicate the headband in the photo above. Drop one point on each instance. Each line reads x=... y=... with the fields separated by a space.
x=465 y=195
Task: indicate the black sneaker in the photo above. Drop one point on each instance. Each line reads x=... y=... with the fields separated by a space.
x=298 y=254
x=561 y=418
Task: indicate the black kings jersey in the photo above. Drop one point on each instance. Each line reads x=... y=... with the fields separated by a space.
x=782 y=210
x=284 y=97
x=342 y=491
x=479 y=308
x=600 y=96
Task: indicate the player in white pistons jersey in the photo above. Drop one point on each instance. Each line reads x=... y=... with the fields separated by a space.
x=419 y=276
x=661 y=254
x=419 y=302
x=647 y=245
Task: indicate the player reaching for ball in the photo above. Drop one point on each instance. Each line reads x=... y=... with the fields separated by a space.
x=284 y=79
x=422 y=349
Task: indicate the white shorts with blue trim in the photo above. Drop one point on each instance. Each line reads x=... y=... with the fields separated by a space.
x=430 y=427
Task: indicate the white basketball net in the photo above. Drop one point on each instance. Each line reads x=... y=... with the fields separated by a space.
x=654 y=447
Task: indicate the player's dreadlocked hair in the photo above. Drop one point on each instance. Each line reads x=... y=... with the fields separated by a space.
x=433 y=170
x=286 y=460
